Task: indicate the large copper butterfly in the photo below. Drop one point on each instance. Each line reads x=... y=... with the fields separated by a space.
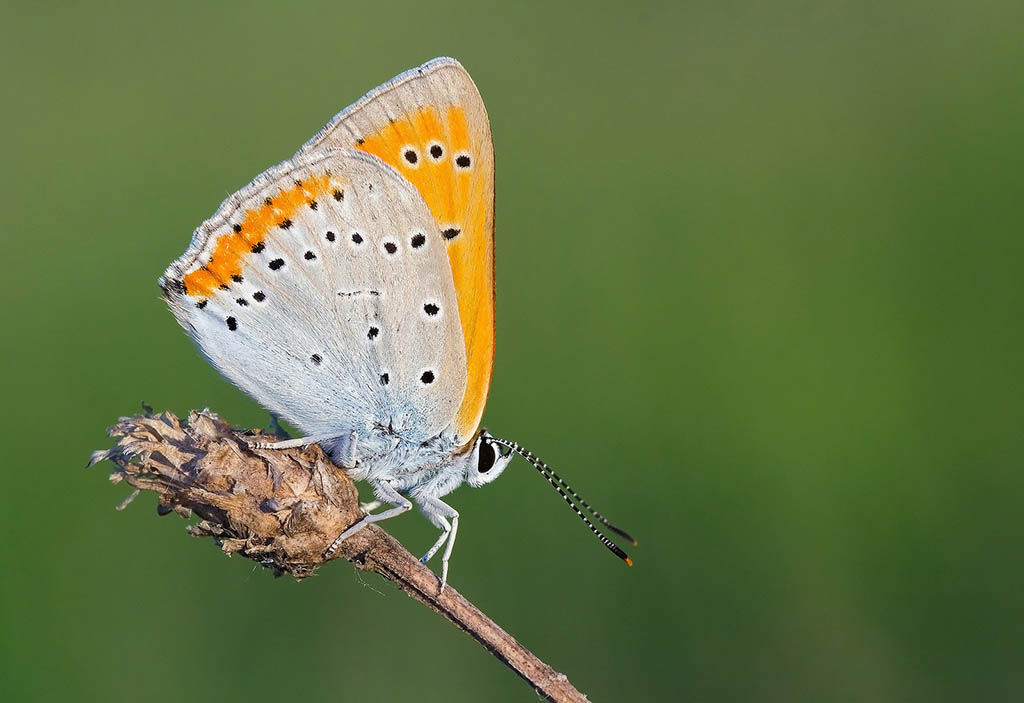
x=350 y=290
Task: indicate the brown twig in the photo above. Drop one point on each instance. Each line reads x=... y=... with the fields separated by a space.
x=283 y=508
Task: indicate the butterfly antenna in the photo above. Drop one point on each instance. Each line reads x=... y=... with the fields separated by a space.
x=550 y=474
x=565 y=491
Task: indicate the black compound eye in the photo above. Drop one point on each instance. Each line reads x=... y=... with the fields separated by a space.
x=487 y=457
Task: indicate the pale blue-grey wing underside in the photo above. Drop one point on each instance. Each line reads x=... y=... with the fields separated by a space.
x=344 y=318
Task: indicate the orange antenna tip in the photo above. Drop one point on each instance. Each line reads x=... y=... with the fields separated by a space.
x=629 y=562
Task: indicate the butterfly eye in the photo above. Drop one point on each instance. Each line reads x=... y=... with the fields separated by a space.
x=487 y=457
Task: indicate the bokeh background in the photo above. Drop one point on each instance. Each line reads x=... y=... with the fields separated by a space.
x=760 y=301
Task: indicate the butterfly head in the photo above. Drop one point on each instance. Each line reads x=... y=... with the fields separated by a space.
x=487 y=460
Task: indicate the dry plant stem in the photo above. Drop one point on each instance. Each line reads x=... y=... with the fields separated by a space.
x=283 y=508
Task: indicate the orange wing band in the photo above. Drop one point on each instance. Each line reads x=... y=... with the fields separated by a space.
x=226 y=262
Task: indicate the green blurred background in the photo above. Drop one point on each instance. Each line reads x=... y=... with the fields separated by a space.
x=759 y=301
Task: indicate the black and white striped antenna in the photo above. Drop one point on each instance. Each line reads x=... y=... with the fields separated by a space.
x=566 y=491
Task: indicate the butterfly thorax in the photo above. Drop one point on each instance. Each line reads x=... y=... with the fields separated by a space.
x=405 y=464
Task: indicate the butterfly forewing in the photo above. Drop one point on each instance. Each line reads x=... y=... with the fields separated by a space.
x=323 y=290
x=430 y=124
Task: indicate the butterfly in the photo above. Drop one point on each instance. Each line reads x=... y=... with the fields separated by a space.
x=350 y=290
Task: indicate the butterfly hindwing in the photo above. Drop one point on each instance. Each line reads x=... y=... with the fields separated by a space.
x=430 y=124
x=323 y=290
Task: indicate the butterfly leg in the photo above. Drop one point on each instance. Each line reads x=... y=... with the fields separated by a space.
x=385 y=493
x=341 y=448
x=438 y=512
x=353 y=441
x=446 y=528
x=292 y=443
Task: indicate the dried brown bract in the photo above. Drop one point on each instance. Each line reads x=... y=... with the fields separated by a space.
x=281 y=508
